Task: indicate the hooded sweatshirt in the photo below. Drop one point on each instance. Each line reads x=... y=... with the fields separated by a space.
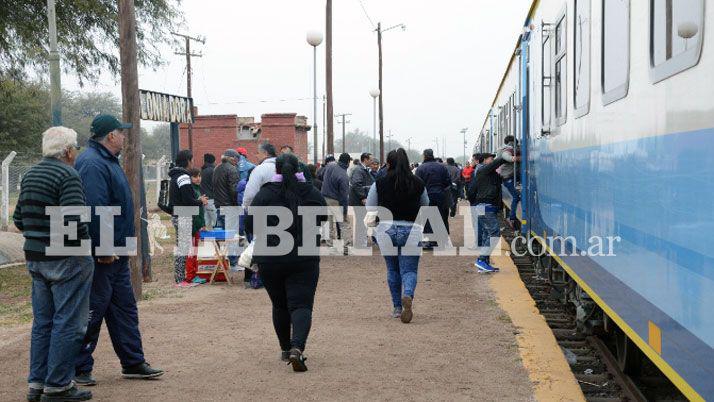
x=181 y=192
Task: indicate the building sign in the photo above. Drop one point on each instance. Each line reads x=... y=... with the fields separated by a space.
x=164 y=107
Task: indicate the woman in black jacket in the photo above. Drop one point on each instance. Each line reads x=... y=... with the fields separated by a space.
x=290 y=279
x=403 y=194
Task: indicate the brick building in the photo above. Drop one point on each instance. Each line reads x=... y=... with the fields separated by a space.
x=216 y=133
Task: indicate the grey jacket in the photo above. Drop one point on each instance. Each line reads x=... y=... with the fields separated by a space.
x=261 y=174
x=506 y=170
x=335 y=184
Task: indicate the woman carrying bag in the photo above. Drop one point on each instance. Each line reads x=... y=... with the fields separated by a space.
x=402 y=193
x=289 y=279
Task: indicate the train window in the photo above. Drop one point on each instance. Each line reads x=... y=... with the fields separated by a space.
x=615 y=50
x=675 y=36
x=559 y=73
x=547 y=81
x=581 y=58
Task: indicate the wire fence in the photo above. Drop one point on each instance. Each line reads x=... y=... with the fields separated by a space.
x=18 y=166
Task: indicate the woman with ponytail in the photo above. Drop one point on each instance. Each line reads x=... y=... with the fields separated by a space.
x=290 y=279
x=402 y=193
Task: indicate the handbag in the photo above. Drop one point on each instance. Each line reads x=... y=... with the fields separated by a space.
x=370 y=220
x=246 y=257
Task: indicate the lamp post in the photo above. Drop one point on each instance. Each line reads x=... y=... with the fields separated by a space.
x=374 y=93
x=463 y=131
x=314 y=38
x=54 y=58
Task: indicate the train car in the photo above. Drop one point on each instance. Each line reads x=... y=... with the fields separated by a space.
x=612 y=103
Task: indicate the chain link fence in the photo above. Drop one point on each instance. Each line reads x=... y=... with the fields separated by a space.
x=20 y=164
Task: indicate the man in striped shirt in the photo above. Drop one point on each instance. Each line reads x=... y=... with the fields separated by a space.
x=60 y=283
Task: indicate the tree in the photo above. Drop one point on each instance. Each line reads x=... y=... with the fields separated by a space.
x=158 y=142
x=88 y=37
x=24 y=116
x=80 y=108
x=358 y=141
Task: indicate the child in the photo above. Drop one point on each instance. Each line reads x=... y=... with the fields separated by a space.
x=198 y=223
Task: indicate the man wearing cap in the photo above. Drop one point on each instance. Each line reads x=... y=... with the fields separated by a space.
x=112 y=298
x=244 y=165
x=225 y=178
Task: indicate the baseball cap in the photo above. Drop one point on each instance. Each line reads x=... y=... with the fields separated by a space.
x=104 y=124
x=242 y=151
x=232 y=153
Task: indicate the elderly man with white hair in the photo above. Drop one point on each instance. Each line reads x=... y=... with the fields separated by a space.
x=60 y=283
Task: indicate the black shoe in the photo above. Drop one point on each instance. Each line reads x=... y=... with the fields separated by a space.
x=85 y=379
x=297 y=360
x=34 y=394
x=141 y=371
x=285 y=356
x=72 y=394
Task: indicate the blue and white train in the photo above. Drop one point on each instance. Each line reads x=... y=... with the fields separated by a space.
x=612 y=102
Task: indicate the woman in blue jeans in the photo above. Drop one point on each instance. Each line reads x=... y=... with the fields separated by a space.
x=403 y=194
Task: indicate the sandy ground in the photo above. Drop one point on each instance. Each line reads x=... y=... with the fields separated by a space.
x=217 y=343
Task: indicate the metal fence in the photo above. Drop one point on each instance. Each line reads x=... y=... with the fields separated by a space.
x=15 y=166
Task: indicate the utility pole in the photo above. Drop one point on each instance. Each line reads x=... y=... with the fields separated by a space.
x=131 y=112
x=381 y=90
x=409 y=144
x=324 y=116
x=389 y=141
x=54 y=58
x=188 y=55
x=463 y=131
x=328 y=78
x=343 y=115
x=437 y=145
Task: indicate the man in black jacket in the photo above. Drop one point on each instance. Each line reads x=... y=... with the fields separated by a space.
x=209 y=161
x=486 y=201
x=225 y=179
x=438 y=182
x=181 y=195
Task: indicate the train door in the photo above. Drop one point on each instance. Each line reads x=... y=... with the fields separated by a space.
x=523 y=134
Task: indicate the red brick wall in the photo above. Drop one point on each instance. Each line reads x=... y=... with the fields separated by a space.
x=215 y=134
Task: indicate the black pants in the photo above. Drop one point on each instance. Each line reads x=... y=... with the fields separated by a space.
x=441 y=201
x=291 y=288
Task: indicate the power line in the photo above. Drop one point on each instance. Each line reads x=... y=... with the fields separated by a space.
x=366 y=14
x=259 y=101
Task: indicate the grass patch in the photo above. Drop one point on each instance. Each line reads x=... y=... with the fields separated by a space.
x=15 y=296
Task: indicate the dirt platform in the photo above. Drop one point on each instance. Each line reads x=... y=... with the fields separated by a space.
x=217 y=343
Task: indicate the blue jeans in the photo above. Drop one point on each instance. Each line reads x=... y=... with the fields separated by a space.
x=60 y=305
x=515 y=197
x=401 y=269
x=112 y=301
x=488 y=227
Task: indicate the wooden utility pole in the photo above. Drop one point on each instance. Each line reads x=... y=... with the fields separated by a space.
x=344 y=144
x=131 y=112
x=188 y=55
x=381 y=94
x=328 y=78
x=54 y=59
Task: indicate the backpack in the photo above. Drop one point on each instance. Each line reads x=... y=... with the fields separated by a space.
x=165 y=198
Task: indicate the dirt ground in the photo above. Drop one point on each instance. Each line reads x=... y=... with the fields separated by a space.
x=217 y=342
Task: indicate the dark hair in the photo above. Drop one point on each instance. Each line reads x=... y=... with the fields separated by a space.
x=450 y=161
x=329 y=158
x=193 y=172
x=428 y=154
x=356 y=161
x=439 y=160
x=287 y=165
x=313 y=169
x=344 y=158
x=399 y=171
x=287 y=146
x=209 y=158
x=268 y=148
x=365 y=155
x=183 y=157
x=509 y=138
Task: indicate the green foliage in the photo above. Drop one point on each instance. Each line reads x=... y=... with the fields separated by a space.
x=157 y=143
x=358 y=141
x=24 y=115
x=79 y=109
x=87 y=35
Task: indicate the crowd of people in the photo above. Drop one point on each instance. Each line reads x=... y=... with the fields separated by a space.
x=73 y=295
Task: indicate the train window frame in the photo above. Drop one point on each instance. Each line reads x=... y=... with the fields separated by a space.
x=680 y=62
x=620 y=91
x=559 y=58
x=585 y=58
x=546 y=85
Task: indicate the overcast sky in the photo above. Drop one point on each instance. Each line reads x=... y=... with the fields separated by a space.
x=440 y=74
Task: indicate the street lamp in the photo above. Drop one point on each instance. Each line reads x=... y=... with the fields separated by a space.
x=374 y=93
x=463 y=131
x=314 y=38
